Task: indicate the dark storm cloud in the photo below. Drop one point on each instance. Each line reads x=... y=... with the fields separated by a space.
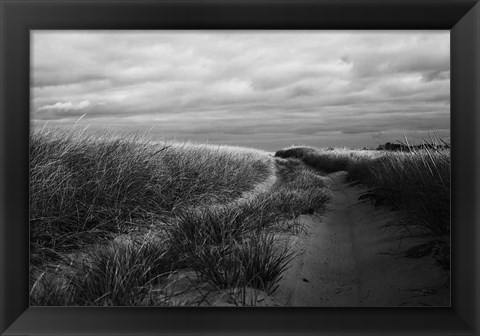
x=244 y=84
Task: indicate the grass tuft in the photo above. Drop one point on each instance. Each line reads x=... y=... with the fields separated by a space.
x=83 y=189
x=416 y=183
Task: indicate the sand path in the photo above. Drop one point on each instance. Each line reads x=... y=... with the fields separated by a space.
x=347 y=258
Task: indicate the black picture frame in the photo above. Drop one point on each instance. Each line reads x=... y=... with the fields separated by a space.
x=18 y=17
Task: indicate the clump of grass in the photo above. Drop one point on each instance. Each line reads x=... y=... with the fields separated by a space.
x=84 y=189
x=253 y=261
x=205 y=239
x=329 y=160
x=50 y=287
x=214 y=225
x=119 y=274
x=302 y=190
x=235 y=246
x=416 y=183
x=123 y=274
x=208 y=174
x=262 y=262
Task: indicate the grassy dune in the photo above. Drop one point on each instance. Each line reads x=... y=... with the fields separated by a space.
x=414 y=183
x=111 y=218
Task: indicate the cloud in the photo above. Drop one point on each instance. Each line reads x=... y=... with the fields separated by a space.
x=65 y=106
x=244 y=83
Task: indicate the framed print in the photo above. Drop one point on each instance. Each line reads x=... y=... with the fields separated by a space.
x=268 y=167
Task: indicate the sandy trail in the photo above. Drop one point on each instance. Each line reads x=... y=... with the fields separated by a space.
x=347 y=258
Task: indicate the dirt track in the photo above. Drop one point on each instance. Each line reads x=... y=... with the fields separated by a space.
x=349 y=259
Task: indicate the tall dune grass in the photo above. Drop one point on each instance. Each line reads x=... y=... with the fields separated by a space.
x=115 y=274
x=84 y=188
x=417 y=183
x=174 y=204
x=236 y=246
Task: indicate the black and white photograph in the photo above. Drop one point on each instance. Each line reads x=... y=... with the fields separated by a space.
x=240 y=168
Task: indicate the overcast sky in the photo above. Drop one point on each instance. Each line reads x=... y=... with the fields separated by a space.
x=267 y=89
